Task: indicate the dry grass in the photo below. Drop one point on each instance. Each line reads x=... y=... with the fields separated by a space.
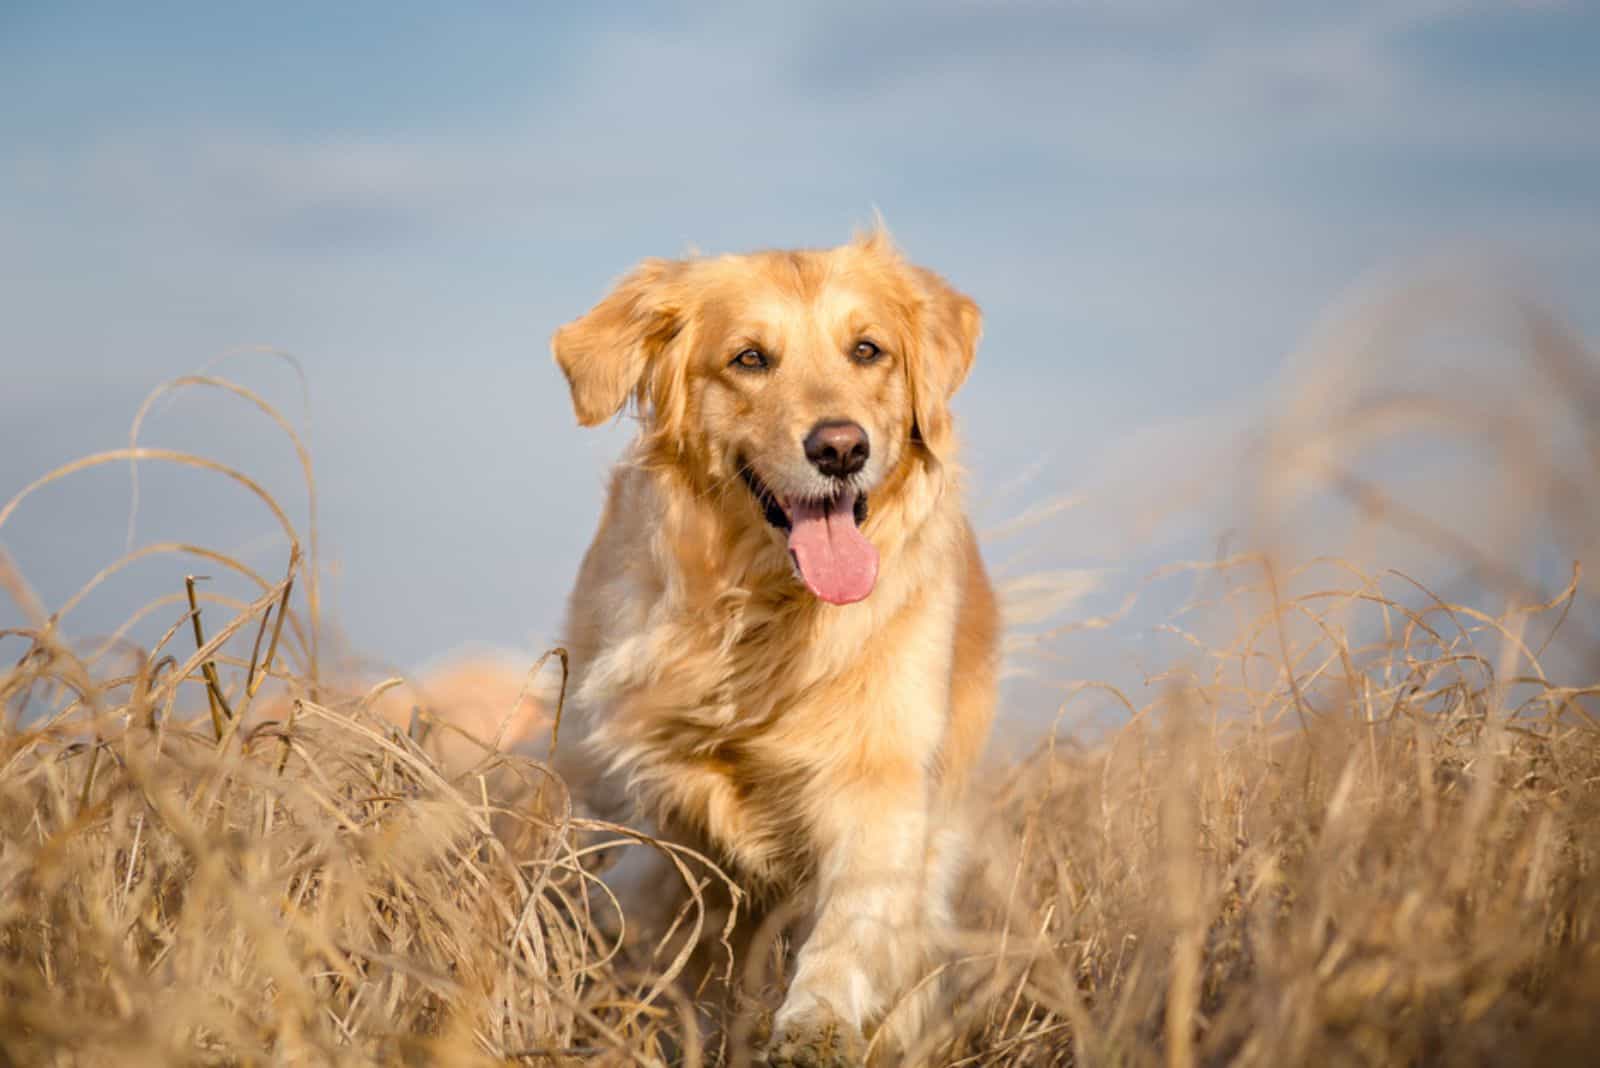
x=1356 y=825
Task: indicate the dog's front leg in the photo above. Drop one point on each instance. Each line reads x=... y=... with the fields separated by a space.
x=869 y=930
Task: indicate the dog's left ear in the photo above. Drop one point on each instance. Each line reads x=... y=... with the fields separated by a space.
x=950 y=326
x=606 y=353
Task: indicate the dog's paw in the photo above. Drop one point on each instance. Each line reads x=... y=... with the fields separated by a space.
x=817 y=1039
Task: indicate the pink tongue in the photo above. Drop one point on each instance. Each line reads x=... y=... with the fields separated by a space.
x=838 y=563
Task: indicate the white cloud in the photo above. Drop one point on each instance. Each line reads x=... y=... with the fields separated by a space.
x=703 y=116
x=1116 y=181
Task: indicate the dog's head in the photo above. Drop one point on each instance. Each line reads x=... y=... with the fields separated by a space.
x=805 y=381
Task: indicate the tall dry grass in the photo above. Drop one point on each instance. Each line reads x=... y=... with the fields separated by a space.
x=1355 y=824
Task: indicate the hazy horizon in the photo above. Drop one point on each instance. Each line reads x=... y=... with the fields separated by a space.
x=1155 y=204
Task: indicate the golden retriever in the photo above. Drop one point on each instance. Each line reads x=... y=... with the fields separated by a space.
x=783 y=639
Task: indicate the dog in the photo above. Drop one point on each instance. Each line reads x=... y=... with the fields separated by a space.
x=783 y=639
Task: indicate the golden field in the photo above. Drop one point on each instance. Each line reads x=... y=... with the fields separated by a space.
x=1358 y=822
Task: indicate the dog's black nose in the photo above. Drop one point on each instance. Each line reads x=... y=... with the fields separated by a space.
x=837 y=448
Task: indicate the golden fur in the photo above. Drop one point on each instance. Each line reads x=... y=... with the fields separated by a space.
x=814 y=748
x=462 y=711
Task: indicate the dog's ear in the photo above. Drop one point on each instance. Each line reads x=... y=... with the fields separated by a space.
x=949 y=328
x=605 y=354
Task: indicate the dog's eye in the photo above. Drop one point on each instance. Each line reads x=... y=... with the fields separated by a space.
x=865 y=352
x=751 y=360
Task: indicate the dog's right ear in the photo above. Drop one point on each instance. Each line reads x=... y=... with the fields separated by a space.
x=605 y=354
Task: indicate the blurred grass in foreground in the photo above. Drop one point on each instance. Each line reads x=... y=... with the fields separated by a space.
x=1355 y=824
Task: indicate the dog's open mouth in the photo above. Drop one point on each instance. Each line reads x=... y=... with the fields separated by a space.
x=835 y=560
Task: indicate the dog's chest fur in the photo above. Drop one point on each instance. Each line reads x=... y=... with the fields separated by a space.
x=732 y=717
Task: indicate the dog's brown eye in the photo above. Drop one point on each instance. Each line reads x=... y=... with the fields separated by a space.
x=751 y=360
x=865 y=352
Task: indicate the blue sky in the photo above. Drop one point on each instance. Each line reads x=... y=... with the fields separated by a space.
x=1153 y=202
